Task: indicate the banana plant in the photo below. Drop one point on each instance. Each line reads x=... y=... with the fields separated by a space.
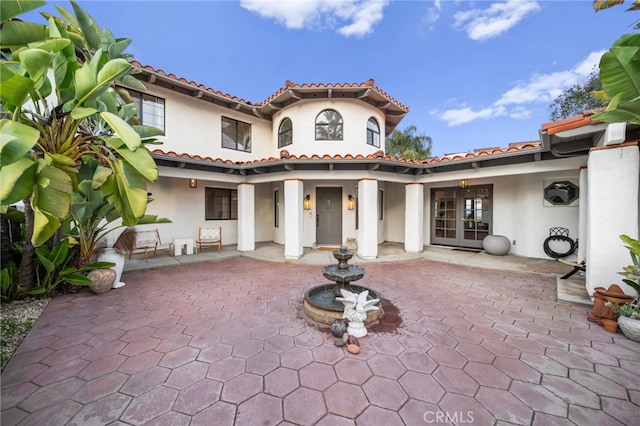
x=60 y=84
x=64 y=97
x=620 y=76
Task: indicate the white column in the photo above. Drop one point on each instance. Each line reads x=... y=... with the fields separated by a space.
x=414 y=218
x=293 y=209
x=613 y=174
x=583 y=215
x=246 y=217
x=368 y=218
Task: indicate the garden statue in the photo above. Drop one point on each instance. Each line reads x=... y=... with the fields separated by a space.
x=356 y=307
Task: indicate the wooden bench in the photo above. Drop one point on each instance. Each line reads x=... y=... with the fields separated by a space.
x=150 y=240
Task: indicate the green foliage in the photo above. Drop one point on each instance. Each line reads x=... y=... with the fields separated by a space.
x=11 y=289
x=407 y=144
x=577 y=99
x=632 y=272
x=54 y=268
x=60 y=104
x=631 y=309
x=620 y=76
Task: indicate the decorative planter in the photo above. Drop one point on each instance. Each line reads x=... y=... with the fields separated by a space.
x=610 y=325
x=613 y=294
x=111 y=255
x=498 y=245
x=101 y=280
x=630 y=327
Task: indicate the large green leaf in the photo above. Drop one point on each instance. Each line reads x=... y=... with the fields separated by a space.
x=52 y=193
x=126 y=190
x=18 y=33
x=36 y=62
x=140 y=159
x=620 y=71
x=116 y=49
x=86 y=82
x=123 y=129
x=17 y=181
x=45 y=226
x=12 y=8
x=113 y=70
x=133 y=82
x=16 y=140
x=15 y=87
x=147 y=132
x=89 y=27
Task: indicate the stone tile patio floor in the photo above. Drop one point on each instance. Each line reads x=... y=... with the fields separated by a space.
x=226 y=342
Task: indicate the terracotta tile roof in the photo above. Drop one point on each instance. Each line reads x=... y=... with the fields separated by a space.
x=288 y=85
x=570 y=123
x=191 y=83
x=284 y=155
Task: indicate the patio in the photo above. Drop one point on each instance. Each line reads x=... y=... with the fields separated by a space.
x=225 y=342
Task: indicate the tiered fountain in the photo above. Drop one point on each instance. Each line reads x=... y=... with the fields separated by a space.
x=320 y=302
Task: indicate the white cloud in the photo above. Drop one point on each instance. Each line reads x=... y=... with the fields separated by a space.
x=433 y=13
x=347 y=17
x=483 y=24
x=515 y=102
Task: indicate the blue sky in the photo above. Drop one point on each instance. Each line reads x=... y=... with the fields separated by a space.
x=475 y=74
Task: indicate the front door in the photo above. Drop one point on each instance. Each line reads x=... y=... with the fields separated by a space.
x=461 y=216
x=328 y=216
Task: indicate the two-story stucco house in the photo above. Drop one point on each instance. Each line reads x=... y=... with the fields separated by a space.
x=306 y=168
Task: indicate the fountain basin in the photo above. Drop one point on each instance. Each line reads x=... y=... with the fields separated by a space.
x=320 y=304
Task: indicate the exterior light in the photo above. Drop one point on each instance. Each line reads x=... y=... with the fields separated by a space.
x=193 y=183
x=462 y=183
x=351 y=202
x=307 y=202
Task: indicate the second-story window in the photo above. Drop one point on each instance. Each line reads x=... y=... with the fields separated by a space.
x=373 y=133
x=236 y=135
x=150 y=109
x=285 y=133
x=329 y=126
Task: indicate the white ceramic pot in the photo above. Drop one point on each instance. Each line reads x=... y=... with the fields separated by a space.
x=498 y=245
x=111 y=255
x=630 y=327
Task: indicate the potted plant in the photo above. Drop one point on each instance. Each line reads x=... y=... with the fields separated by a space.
x=628 y=318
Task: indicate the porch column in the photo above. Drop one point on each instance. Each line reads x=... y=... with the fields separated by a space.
x=613 y=174
x=414 y=218
x=246 y=217
x=293 y=209
x=368 y=218
x=583 y=215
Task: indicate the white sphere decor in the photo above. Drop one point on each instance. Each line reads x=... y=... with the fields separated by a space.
x=498 y=245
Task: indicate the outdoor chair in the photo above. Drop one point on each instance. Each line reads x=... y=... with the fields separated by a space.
x=576 y=267
x=150 y=240
x=209 y=237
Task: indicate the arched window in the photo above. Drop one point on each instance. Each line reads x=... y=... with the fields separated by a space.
x=285 y=133
x=329 y=126
x=373 y=132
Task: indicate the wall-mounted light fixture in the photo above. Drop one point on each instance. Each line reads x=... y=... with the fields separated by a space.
x=307 y=202
x=193 y=183
x=351 y=202
x=462 y=183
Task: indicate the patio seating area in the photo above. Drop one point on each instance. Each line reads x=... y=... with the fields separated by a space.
x=221 y=339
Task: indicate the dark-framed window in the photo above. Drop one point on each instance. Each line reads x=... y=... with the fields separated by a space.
x=236 y=134
x=285 y=133
x=150 y=109
x=276 y=208
x=380 y=204
x=329 y=126
x=373 y=133
x=221 y=204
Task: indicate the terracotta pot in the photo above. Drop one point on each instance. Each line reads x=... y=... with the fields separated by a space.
x=610 y=325
x=613 y=294
x=101 y=280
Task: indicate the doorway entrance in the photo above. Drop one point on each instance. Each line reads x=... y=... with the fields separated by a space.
x=462 y=217
x=329 y=216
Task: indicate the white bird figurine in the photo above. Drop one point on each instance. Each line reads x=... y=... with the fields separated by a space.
x=356 y=307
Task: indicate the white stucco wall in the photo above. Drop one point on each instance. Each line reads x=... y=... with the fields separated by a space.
x=394 y=217
x=355 y=115
x=194 y=126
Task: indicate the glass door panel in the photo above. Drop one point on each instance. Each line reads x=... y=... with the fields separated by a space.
x=461 y=216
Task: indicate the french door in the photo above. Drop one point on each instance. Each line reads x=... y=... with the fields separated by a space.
x=462 y=217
